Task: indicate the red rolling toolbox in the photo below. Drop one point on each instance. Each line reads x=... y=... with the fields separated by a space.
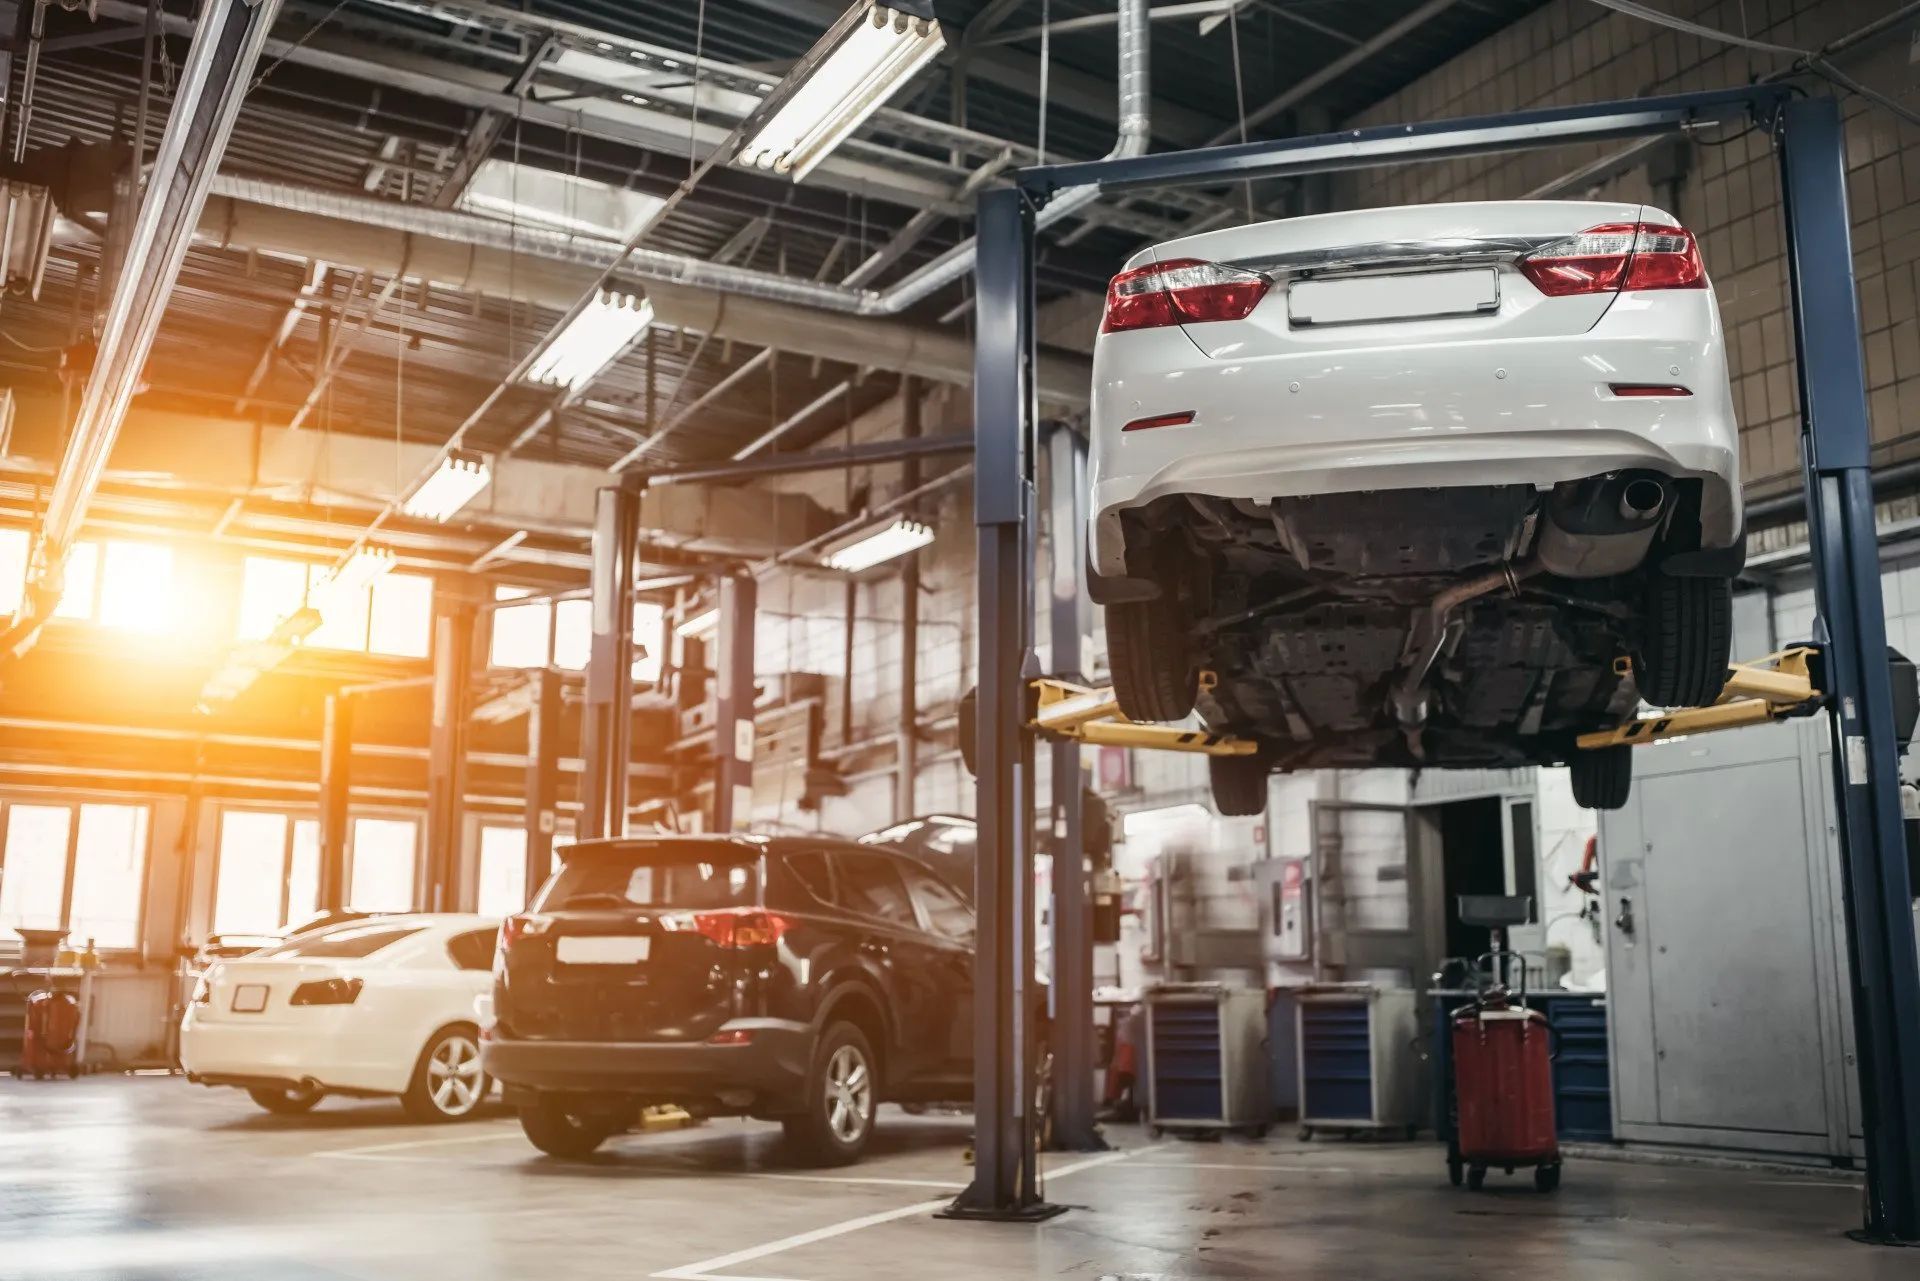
x=1503 y=1083
x=52 y=1035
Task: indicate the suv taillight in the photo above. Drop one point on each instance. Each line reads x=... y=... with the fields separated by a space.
x=1183 y=291
x=515 y=928
x=742 y=928
x=1616 y=257
x=326 y=992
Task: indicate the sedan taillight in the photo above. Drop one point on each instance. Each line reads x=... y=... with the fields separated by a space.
x=1184 y=291
x=1616 y=257
x=326 y=992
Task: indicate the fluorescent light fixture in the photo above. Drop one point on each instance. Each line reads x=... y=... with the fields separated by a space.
x=460 y=476
x=592 y=340
x=365 y=565
x=248 y=662
x=545 y=198
x=699 y=626
x=882 y=544
x=863 y=61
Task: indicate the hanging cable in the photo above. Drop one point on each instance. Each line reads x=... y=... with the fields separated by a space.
x=1239 y=95
x=1046 y=63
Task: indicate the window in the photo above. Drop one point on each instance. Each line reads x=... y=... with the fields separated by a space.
x=679 y=874
x=136 y=588
x=268 y=874
x=871 y=885
x=552 y=199
x=81 y=867
x=383 y=857
x=503 y=870
x=560 y=634
x=15 y=545
x=78 y=598
x=393 y=616
x=346 y=942
x=947 y=914
x=473 y=950
x=812 y=870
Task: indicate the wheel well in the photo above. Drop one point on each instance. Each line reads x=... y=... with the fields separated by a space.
x=856 y=1005
x=466 y=1025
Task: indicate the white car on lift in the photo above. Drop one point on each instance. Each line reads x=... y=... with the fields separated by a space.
x=1442 y=485
x=381 y=1006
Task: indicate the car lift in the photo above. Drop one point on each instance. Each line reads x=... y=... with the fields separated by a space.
x=1757 y=693
x=1808 y=139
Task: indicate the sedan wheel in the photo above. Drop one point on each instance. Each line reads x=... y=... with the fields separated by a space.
x=448 y=1084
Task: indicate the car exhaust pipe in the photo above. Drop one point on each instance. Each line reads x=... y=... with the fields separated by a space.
x=1435 y=633
x=1601 y=526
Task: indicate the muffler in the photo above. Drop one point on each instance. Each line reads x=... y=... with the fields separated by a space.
x=1603 y=525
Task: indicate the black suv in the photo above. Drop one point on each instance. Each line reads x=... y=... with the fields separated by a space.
x=804 y=980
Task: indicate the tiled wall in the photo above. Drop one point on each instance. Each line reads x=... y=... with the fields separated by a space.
x=1575 y=51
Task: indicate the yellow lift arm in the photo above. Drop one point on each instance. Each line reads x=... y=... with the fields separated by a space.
x=1766 y=689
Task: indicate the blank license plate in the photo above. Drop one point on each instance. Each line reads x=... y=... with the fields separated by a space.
x=612 y=950
x=1404 y=297
x=250 y=998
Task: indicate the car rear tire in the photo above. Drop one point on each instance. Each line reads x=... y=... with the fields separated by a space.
x=567 y=1131
x=448 y=1084
x=1156 y=674
x=1239 y=784
x=1689 y=634
x=292 y=1101
x=1602 y=777
x=842 y=1094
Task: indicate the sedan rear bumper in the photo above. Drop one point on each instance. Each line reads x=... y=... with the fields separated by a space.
x=766 y=1073
x=1535 y=411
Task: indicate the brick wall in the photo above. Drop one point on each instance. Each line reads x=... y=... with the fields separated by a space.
x=1576 y=51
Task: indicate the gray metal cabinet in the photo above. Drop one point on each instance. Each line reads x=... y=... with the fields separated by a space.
x=1724 y=954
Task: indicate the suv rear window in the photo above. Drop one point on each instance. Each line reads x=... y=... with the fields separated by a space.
x=345 y=942
x=680 y=875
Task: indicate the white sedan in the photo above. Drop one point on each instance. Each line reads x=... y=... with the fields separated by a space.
x=1410 y=482
x=382 y=1006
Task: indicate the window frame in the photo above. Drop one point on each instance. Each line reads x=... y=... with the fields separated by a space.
x=294 y=816
x=909 y=869
x=843 y=887
x=73 y=806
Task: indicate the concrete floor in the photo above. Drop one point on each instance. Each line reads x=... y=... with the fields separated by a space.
x=148 y=1178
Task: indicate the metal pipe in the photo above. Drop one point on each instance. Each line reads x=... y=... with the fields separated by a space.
x=872 y=454
x=1133 y=138
x=213 y=82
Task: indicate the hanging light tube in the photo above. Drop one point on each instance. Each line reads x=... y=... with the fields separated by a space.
x=876 y=546
x=455 y=483
x=362 y=568
x=851 y=73
x=699 y=626
x=592 y=340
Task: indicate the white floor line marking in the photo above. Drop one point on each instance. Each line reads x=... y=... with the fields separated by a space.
x=858 y=1178
x=705 y=1270
x=490 y=1137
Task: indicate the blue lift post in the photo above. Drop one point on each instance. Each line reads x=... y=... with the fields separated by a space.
x=1841 y=529
x=1069 y=632
x=1836 y=447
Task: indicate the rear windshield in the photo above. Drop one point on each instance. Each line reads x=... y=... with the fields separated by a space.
x=678 y=876
x=346 y=941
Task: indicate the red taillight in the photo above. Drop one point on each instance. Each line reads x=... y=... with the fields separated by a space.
x=1648 y=389
x=732 y=1036
x=1617 y=256
x=515 y=928
x=742 y=928
x=1180 y=419
x=1184 y=291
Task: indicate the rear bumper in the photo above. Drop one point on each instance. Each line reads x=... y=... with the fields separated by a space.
x=216 y=1053
x=1532 y=411
x=767 y=1073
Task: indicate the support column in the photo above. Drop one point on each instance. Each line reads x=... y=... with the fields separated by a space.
x=1006 y=1166
x=606 y=725
x=1070 y=634
x=543 y=776
x=906 y=770
x=733 y=705
x=437 y=885
x=1840 y=524
x=336 y=768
